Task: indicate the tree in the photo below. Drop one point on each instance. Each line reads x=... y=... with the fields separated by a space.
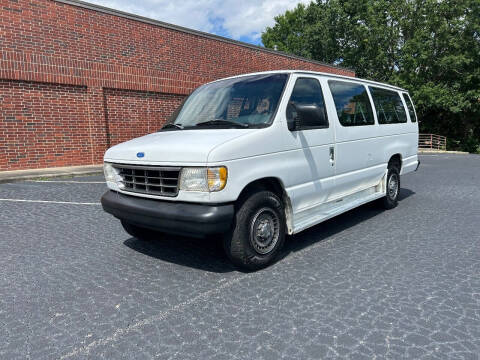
x=429 y=47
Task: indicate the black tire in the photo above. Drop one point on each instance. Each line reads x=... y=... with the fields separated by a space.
x=137 y=231
x=258 y=231
x=393 y=189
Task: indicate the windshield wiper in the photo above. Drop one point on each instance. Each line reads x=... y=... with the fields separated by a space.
x=172 y=126
x=222 y=122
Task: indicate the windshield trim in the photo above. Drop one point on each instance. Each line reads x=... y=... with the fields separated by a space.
x=226 y=126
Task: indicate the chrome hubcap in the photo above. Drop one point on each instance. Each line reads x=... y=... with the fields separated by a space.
x=264 y=231
x=393 y=186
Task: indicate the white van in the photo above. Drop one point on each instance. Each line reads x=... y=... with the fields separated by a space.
x=254 y=157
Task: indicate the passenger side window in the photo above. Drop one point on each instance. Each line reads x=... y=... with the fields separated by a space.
x=352 y=103
x=307 y=97
x=389 y=106
x=411 y=110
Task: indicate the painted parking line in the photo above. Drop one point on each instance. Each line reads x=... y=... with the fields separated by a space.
x=67 y=182
x=51 y=202
x=85 y=349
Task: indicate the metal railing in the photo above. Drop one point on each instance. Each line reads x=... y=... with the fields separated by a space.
x=432 y=142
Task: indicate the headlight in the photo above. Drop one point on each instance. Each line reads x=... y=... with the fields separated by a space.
x=109 y=172
x=193 y=179
x=203 y=179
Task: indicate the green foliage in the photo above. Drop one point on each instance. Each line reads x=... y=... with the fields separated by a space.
x=429 y=47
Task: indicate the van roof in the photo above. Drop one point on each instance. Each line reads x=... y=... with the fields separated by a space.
x=335 y=76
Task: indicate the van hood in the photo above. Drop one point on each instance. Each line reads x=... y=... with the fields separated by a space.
x=176 y=146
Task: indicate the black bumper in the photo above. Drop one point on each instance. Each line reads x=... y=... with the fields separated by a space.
x=169 y=216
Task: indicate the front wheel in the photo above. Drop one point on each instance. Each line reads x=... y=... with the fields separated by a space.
x=258 y=233
x=393 y=189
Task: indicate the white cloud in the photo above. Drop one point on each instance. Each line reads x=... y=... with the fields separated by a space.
x=249 y=18
x=232 y=18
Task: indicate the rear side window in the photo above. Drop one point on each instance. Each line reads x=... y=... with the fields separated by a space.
x=389 y=106
x=411 y=110
x=307 y=91
x=352 y=103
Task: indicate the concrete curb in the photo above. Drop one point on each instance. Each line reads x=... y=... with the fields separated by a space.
x=441 y=152
x=19 y=175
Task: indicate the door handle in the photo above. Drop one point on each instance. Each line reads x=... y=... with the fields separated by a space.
x=332 y=155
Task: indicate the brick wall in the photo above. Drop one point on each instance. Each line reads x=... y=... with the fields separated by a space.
x=146 y=110
x=43 y=125
x=76 y=79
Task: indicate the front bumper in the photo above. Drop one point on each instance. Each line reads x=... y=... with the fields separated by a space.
x=167 y=216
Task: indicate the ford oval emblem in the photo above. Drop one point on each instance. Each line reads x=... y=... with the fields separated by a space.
x=140 y=154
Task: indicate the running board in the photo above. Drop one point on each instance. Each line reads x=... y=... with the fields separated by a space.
x=325 y=211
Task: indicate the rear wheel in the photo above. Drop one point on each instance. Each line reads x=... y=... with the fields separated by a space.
x=393 y=189
x=138 y=231
x=258 y=233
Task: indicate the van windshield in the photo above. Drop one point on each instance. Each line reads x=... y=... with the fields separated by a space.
x=243 y=102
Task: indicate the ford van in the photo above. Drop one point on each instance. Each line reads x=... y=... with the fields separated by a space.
x=255 y=157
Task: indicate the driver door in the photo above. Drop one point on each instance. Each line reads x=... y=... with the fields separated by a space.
x=313 y=167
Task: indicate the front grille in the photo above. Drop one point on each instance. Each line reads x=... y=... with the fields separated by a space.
x=153 y=180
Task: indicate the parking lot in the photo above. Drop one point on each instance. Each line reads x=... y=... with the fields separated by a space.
x=369 y=283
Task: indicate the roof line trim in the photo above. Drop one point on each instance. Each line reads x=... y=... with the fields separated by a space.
x=146 y=20
x=350 y=78
x=320 y=73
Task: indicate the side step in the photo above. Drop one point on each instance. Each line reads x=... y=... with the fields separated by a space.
x=315 y=215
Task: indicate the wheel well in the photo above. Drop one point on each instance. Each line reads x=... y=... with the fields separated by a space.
x=270 y=183
x=395 y=161
x=274 y=185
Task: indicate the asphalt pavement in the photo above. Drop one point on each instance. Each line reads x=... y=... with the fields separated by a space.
x=403 y=283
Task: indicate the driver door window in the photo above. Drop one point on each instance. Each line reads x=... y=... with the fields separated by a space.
x=308 y=92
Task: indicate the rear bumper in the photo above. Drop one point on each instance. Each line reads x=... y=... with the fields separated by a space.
x=168 y=216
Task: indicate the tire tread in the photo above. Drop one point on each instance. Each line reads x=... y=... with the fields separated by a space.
x=237 y=243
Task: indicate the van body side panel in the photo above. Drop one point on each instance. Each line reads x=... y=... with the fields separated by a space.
x=290 y=167
x=409 y=164
x=404 y=136
x=358 y=161
x=359 y=164
x=363 y=152
x=311 y=178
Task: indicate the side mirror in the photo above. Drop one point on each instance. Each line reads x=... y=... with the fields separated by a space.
x=305 y=116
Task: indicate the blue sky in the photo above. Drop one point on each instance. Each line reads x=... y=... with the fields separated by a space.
x=242 y=20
